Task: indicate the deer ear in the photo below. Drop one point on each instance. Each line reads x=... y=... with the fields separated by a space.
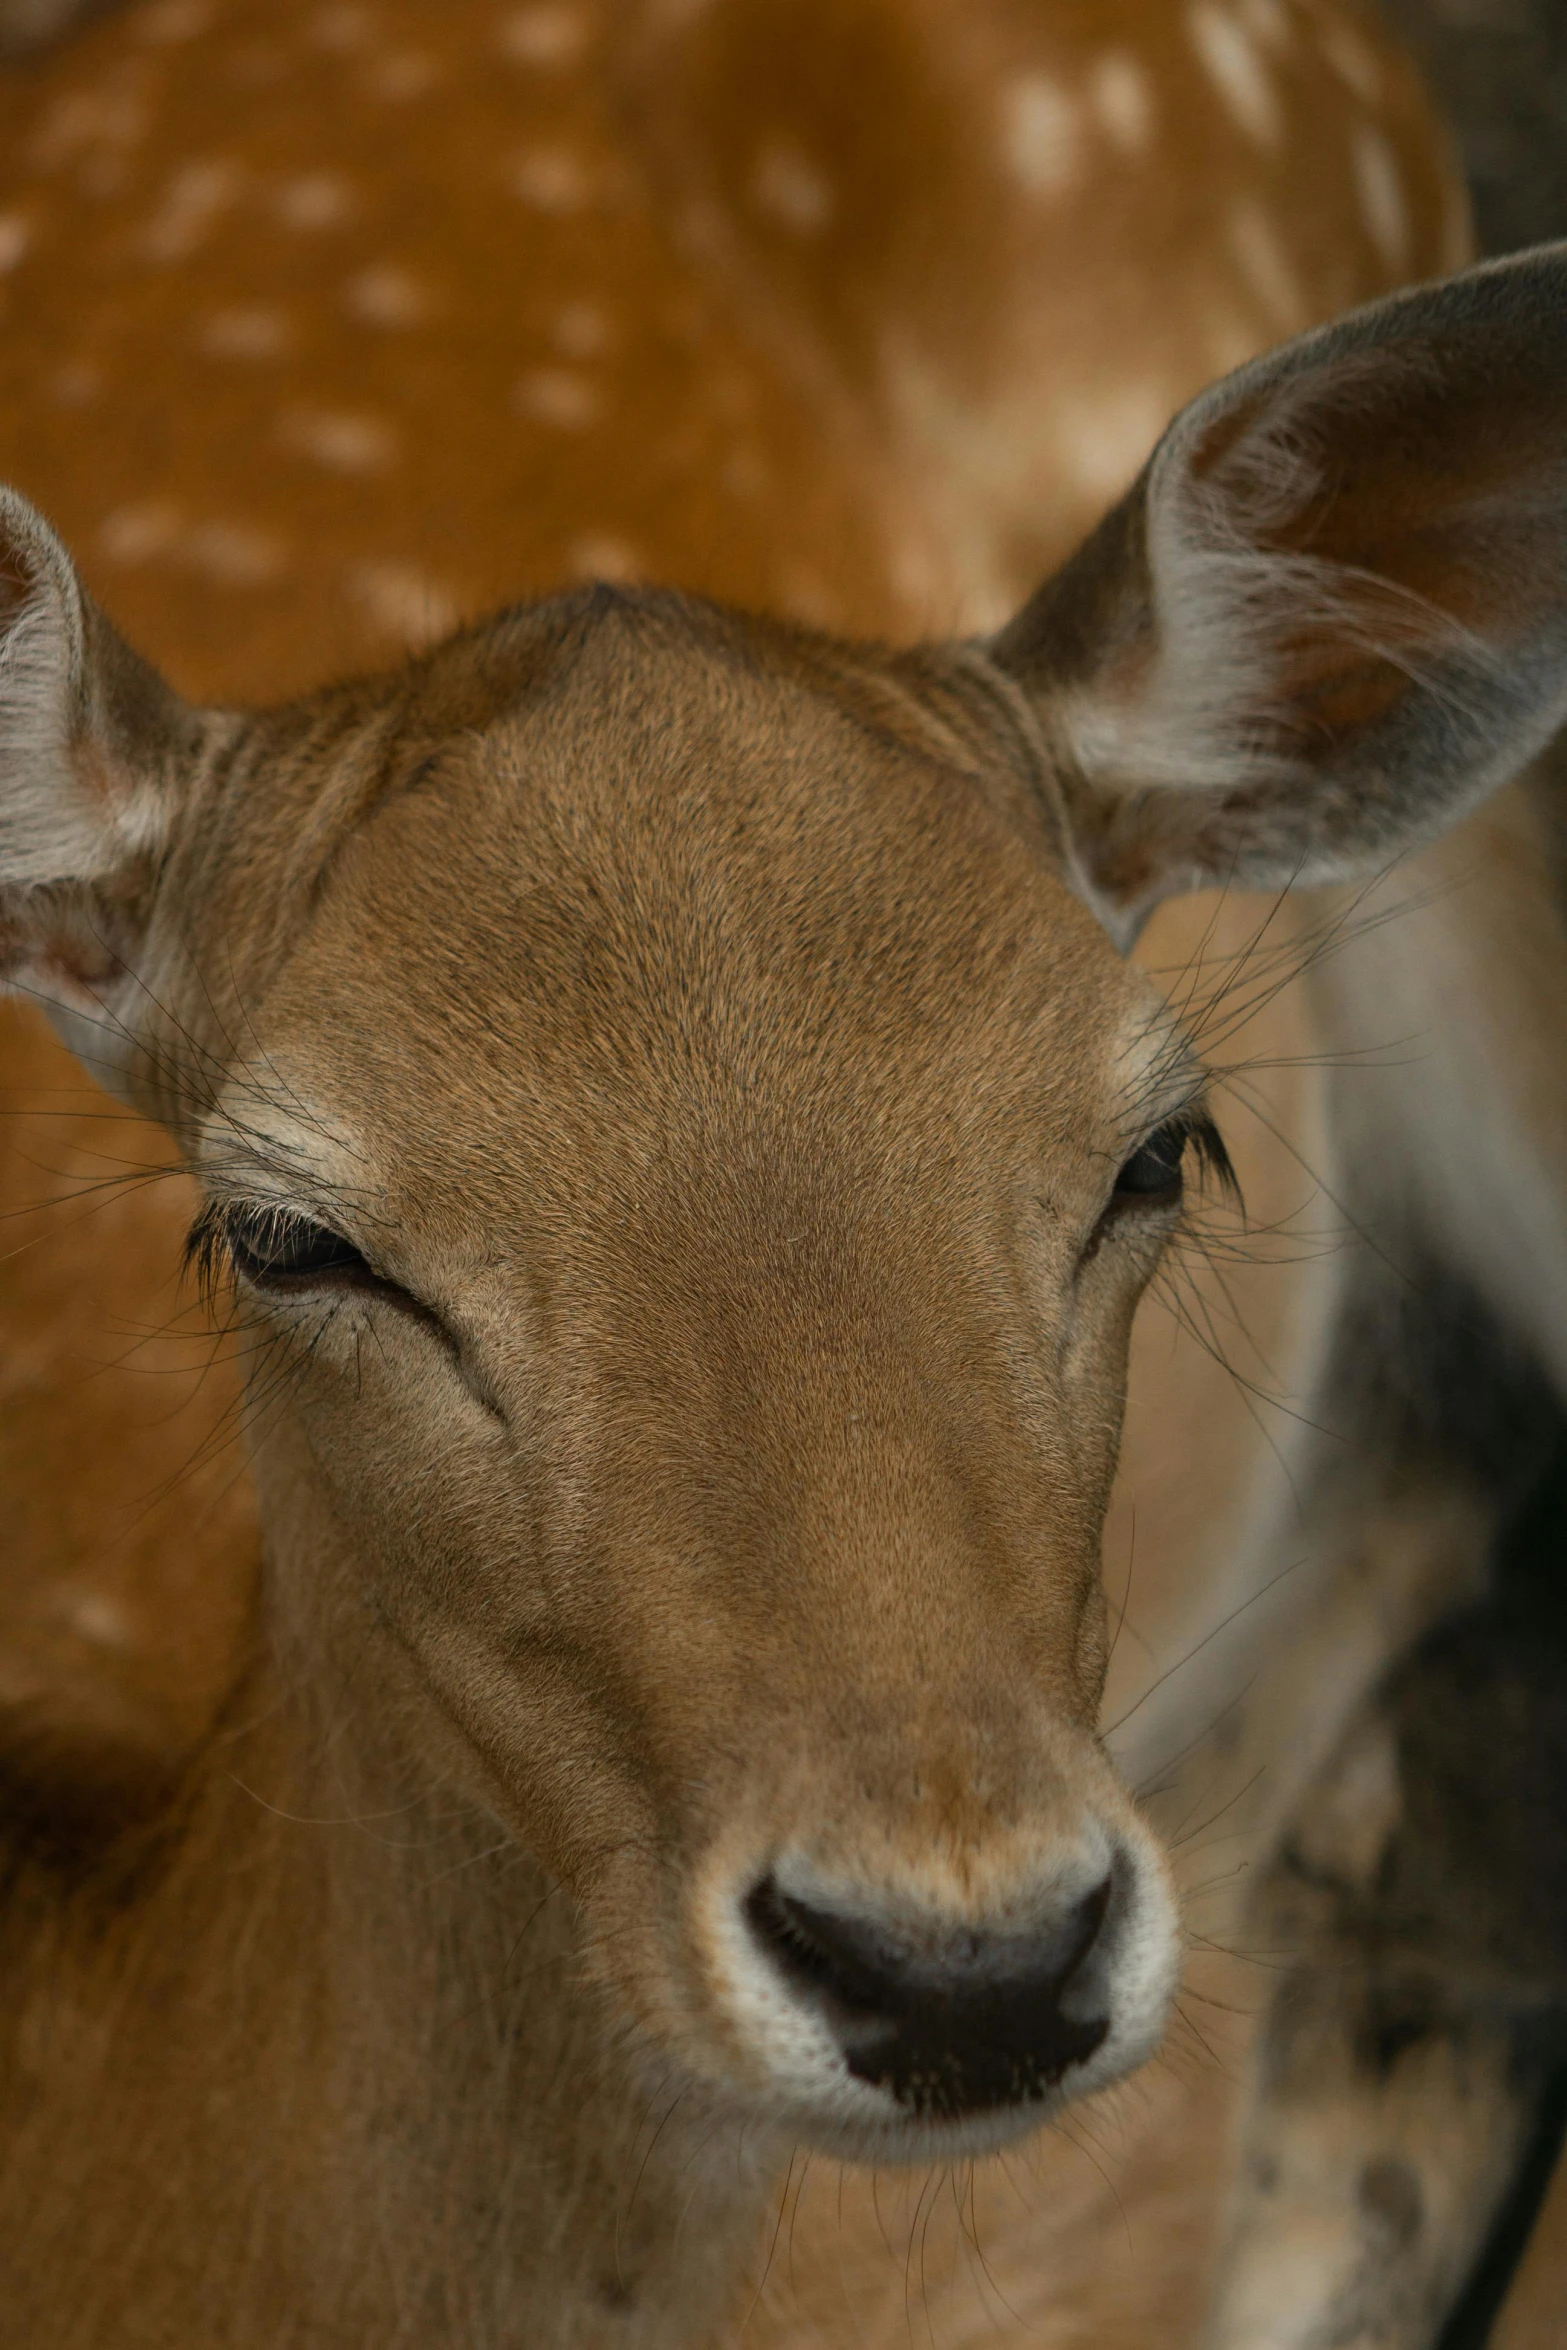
x=94 y=754
x=1332 y=613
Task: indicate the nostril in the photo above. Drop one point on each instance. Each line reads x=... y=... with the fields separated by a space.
x=951 y=2022
x=825 y=1951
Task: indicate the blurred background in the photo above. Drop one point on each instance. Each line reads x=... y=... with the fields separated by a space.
x=1500 y=69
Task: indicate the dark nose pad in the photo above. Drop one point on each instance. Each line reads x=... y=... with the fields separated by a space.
x=962 y=2024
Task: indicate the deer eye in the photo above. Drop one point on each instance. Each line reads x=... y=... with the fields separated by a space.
x=272 y=1248
x=1153 y=1172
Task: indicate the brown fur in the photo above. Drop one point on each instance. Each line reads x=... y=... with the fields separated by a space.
x=322 y=1967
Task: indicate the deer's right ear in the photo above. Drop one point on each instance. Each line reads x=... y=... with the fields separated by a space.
x=95 y=754
x=1331 y=615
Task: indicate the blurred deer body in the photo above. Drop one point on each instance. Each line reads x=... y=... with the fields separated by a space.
x=326 y=328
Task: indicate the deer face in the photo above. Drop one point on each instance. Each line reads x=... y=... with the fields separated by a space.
x=681 y=1128
x=692 y=1163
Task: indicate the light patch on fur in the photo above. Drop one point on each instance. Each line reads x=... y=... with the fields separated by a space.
x=1237 y=71
x=386 y=296
x=405 y=604
x=92 y=130
x=192 y=203
x=76 y=385
x=1384 y=207
x=599 y=554
x=405 y=75
x=342 y=28
x=98 y=1618
x=1353 y=59
x=1121 y=93
x=173 y=22
x=1265 y=265
x=1042 y=134
x=559 y=396
x=792 y=188
x=744 y=475
x=140 y=533
x=552 y=180
x=1103 y=438
x=16 y=235
x=1267 y=21
x=582 y=329
x=314 y=200
x=544 y=35
x=253 y=332
x=233 y=554
x=340 y=440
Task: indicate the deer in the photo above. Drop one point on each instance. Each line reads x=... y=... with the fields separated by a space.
x=711 y=784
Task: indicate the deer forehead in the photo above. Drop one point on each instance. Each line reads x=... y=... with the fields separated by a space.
x=666 y=907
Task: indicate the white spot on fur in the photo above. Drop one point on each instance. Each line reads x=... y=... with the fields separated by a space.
x=1383 y=205
x=407 y=75
x=1231 y=60
x=232 y=553
x=598 y=554
x=172 y=22
x=559 y=396
x=386 y=296
x=582 y=330
x=1265 y=265
x=1106 y=437
x=401 y=602
x=244 y=333
x=97 y=1618
x=552 y=179
x=744 y=475
x=1268 y=22
x=315 y=200
x=140 y=533
x=1042 y=134
x=341 y=440
x=343 y=28
x=192 y=202
x=806 y=596
x=1353 y=59
x=15 y=236
x=1121 y=93
x=792 y=188
x=76 y=385
x=89 y=127
x=543 y=36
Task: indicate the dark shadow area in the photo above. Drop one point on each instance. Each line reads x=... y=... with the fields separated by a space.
x=1499 y=68
x=1486 y=1698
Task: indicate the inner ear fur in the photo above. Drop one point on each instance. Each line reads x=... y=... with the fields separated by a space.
x=1331 y=614
x=95 y=752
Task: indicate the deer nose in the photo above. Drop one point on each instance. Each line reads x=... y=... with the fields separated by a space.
x=953 y=2023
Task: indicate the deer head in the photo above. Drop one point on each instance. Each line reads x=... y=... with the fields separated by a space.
x=667 y=1091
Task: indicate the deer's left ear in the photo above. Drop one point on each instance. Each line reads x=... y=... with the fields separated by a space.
x=1332 y=613
x=96 y=754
